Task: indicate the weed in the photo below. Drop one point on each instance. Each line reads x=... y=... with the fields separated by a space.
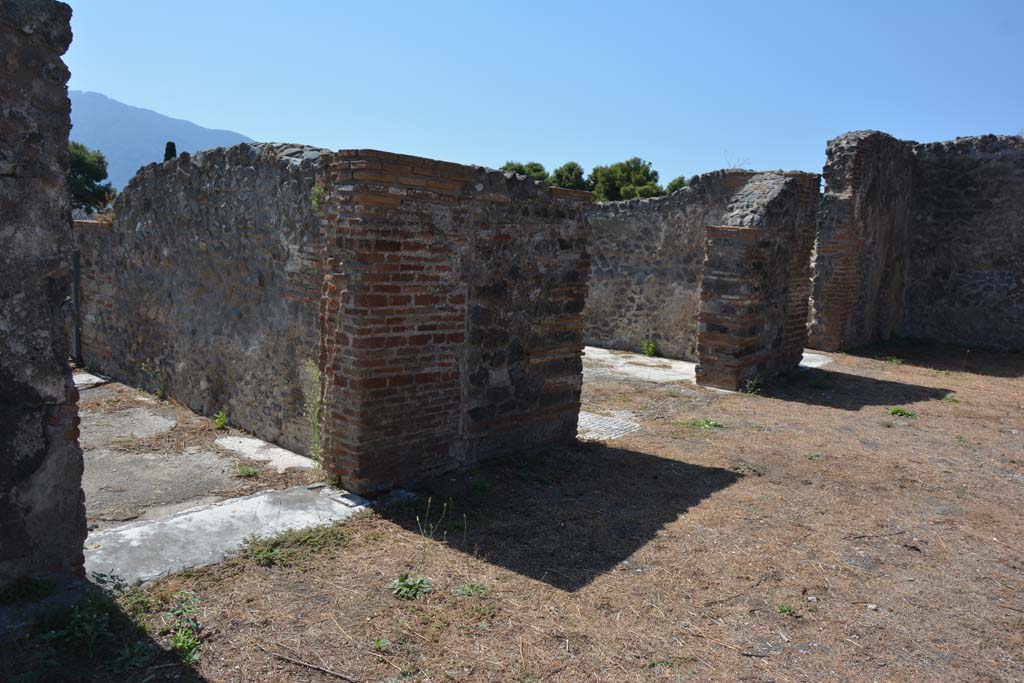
x=961 y=491
x=312 y=384
x=156 y=378
x=316 y=197
x=410 y=587
x=899 y=411
x=961 y=440
x=745 y=469
x=25 y=589
x=134 y=655
x=816 y=456
x=752 y=386
x=246 y=471
x=220 y=420
x=185 y=641
x=893 y=360
x=951 y=399
x=785 y=610
x=381 y=645
x=470 y=590
x=283 y=548
x=706 y=424
x=818 y=383
x=649 y=348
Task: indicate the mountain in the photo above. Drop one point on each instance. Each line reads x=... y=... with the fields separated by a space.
x=131 y=137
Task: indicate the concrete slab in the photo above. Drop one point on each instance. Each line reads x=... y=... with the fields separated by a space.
x=595 y=427
x=86 y=380
x=101 y=428
x=626 y=365
x=257 y=449
x=143 y=551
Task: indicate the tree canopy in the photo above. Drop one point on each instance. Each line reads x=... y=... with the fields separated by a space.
x=676 y=184
x=86 y=174
x=170 y=150
x=569 y=175
x=630 y=179
x=532 y=169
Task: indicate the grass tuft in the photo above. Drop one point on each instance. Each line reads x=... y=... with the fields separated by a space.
x=285 y=548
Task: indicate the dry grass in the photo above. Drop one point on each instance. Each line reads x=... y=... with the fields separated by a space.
x=802 y=541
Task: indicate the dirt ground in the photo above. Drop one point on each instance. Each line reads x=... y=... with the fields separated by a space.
x=802 y=533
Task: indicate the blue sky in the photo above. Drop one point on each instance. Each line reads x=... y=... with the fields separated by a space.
x=690 y=87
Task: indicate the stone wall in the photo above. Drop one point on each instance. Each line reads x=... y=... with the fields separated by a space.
x=42 y=512
x=863 y=240
x=647 y=257
x=452 y=315
x=206 y=287
x=756 y=281
x=920 y=241
x=965 y=277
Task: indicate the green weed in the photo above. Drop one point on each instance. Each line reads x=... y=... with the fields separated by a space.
x=410 y=587
x=220 y=420
x=246 y=471
x=785 y=610
x=468 y=590
x=899 y=411
x=649 y=348
x=706 y=424
x=283 y=548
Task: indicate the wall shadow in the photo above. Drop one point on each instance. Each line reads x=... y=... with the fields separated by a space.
x=824 y=387
x=564 y=516
x=81 y=634
x=949 y=357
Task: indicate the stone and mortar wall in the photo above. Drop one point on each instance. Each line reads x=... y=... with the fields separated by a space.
x=756 y=281
x=206 y=286
x=451 y=320
x=920 y=241
x=860 y=259
x=647 y=258
x=42 y=511
x=965 y=274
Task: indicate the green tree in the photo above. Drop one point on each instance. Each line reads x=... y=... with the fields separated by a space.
x=86 y=174
x=170 y=150
x=532 y=169
x=630 y=179
x=676 y=184
x=569 y=175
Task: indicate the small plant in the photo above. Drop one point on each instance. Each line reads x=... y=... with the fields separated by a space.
x=786 y=610
x=893 y=360
x=706 y=424
x=246 y=471
x=316 y=196
x=381 y=645
x=220 y=420
x=471 y=590
x=951 y=399
x=282 y=548
x=649 y=348
x=156 y=377
x=816 y=456
x=185 y=641
x=961 y=491
x=312 y=383
x=899 y=411
x=961 y=440
x=752 y=386
x=410 y=587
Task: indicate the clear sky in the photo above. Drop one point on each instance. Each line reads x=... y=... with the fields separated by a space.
x=688 y=86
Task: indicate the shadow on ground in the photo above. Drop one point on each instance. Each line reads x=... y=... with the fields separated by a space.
x=81 y=634
x=823 y=387
x=945 y=357
x=561 y=517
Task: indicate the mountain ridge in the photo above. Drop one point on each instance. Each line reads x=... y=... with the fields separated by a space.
x=131 y=137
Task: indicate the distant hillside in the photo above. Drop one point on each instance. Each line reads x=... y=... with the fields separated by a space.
x=131 y=137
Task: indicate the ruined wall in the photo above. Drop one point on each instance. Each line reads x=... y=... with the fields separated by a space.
x=863 y=240
x=647 y=257
x=920 y=241
x=965 y=278
x=42 y=512
x=452 y=325
x=206 y=287
x=756 y=281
